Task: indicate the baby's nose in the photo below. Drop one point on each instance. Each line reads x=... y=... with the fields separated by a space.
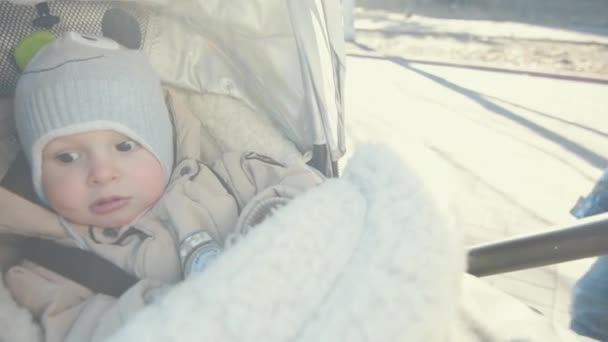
x=102 y=172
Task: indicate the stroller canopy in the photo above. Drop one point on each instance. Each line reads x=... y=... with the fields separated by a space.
x=283 y=58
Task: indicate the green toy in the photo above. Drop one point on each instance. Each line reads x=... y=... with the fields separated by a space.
x=27 y=48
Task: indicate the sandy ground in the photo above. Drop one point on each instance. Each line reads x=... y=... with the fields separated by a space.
x=542 y=47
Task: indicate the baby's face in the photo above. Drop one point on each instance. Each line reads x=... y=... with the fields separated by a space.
x=100 y=178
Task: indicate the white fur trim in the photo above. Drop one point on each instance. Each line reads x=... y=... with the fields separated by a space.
x=235 y=126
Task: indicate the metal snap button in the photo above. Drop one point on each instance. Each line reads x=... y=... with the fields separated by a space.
x=110 y=233
x=185 y=170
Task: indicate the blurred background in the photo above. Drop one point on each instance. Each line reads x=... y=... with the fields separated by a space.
x=501 y=106
x=551 y=35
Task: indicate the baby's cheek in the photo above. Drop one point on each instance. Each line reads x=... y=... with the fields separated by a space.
x=66 y=203
x=146 y=173
x=64 y=193
x=152 y=185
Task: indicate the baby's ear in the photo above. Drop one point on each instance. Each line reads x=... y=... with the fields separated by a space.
x=120 y=26
x=29 y=46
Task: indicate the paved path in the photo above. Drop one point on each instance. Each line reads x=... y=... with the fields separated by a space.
x=577 y=50
x=386 y=21
x=511 y=152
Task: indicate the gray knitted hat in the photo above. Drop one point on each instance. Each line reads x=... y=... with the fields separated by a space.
x=79 y=83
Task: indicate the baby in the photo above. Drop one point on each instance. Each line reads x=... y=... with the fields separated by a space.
x=93 y=123
x=102 y=140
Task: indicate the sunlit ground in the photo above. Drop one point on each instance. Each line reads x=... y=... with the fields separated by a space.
x=511 y=152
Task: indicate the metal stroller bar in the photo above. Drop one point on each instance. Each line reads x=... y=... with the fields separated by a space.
x=584 y=238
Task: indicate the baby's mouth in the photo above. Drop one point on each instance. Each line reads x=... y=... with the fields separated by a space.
x=107 y=205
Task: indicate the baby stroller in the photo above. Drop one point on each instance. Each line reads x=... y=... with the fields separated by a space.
x=269 y=76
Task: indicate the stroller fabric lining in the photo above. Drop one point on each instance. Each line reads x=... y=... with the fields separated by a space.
x=8 y=140
x=202 y=47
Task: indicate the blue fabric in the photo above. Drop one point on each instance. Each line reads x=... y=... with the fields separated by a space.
x=596 y=202
x=589 y=309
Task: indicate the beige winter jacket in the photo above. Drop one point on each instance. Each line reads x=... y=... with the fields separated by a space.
x=221 y=199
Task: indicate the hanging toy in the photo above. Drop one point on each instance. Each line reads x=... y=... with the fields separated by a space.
x=45 y=19
x=29 y=46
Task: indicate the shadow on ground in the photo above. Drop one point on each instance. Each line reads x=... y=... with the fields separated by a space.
x=492 y=105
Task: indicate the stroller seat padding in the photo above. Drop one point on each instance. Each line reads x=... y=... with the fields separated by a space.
x=9 y=145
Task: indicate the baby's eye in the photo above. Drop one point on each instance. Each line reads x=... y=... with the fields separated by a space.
x=67 y=157
x=127 y=145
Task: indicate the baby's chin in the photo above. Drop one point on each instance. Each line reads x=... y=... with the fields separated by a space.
x=104 y=222
x=116 y=219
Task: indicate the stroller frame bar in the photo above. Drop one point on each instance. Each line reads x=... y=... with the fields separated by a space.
x=584 y=238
